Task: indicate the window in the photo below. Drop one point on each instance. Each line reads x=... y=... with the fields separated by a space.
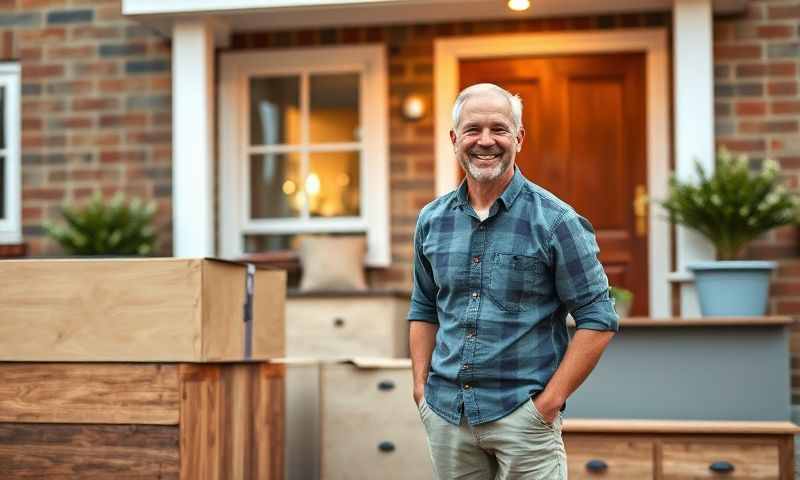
x=10 y=202
x=303 y=148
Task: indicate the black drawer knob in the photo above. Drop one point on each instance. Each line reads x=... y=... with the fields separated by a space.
x=386 y=447
x=596 y=466
x=338 y=322
x=386 y=385
x=722 y=467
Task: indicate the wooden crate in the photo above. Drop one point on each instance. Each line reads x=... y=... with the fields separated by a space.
x=142 y=421
x=143 y=310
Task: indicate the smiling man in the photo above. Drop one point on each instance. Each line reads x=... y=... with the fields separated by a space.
x=498 y=264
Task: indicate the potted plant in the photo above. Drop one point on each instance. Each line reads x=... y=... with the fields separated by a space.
x=116 y=227
x=730 y=208
x=623 y=299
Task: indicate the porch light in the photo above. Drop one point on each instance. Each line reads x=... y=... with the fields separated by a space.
x=519 y=5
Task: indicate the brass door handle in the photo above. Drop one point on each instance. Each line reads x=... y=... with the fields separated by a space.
x=640 y=202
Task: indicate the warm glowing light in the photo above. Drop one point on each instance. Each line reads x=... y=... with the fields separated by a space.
x=289 y=187
x=519 y=5
x=343 y=180
x=312 y=184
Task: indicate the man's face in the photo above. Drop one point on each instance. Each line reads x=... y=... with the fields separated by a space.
x=485 y=141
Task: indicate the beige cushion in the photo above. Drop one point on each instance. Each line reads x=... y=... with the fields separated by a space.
x=333 y=262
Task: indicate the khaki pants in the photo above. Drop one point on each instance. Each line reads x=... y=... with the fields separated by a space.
x=520 y=446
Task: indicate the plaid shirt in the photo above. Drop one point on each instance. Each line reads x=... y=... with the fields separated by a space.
x=500 y=290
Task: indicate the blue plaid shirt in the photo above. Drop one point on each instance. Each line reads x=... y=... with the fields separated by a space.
x=500 y=290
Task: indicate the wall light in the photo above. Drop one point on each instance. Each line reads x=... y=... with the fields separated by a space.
x=519 y=5
x=413 y=107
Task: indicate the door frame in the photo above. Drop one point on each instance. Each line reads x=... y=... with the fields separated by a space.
x=651 y=41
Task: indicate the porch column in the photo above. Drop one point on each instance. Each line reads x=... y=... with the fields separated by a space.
x=193 y=138
x=694 y=123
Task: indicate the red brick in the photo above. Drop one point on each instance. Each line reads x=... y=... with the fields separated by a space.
x=42 y=36
x=76 y=122
x=789 y=163
x=118 y=85
x=751 y=108
x=127 y=120
x=736 y=52
x=35 y=140
x=159 y=84
x=787 y=106
x=149 y=137
x=775 y=31
x=780 y=12
x=56 y=176
x=772 y=126
x=30 y=54
x=98 y=68
x=93 y=104
x=787 y=308
x=743 y=146
x=42 y=71
x=766 y=70
x=42 y=194
x=106 y=139
x=26 y=4
x=31 y=123
x=117 y=156
x=31 y=213
x=94 y=32
x=43 y=106
x=161 y=119
x=782 y=88
x=66 y=53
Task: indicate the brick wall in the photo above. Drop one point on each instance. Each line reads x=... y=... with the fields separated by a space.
x=96 y=108
x=410 y=58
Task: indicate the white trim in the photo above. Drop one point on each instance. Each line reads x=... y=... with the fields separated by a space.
x=694 y=123
x=11 y=225
x=653 y=42
x=236 y=68
x=193 y=138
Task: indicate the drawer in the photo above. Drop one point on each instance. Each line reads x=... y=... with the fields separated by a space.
x=694 y=459
x=601 y=456
x=370 y=425
x=342 y=328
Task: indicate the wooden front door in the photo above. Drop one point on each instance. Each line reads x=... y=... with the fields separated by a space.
x=585 y=121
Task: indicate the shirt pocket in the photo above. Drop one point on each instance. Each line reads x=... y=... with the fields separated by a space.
x=517 y=281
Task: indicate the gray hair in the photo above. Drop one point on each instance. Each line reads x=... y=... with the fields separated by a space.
x=513 y=100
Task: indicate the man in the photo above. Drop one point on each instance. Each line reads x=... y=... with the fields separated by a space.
x=498 y=264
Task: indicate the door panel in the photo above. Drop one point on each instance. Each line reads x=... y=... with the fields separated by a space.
x=584 y=117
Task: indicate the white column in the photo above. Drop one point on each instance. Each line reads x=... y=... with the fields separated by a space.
x=193 y=138
x=694 y=121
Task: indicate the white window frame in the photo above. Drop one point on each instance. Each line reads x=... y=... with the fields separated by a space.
x=236 y=69
x=10 y=226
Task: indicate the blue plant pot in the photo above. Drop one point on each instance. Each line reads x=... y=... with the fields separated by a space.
x=732 y=288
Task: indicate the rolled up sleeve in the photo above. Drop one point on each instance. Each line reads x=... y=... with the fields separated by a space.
x=581 y=282
x=424 y=291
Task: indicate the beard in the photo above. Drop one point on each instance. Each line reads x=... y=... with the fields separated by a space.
x=484 y=174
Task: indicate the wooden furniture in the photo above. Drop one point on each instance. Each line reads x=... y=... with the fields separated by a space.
x=679 y=450
x=154 y=309
x=336 y=325
x=141 y=421
x=369 y=425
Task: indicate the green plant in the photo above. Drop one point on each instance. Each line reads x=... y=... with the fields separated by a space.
x=620 y=294
x=734 y=205
x=116 y=227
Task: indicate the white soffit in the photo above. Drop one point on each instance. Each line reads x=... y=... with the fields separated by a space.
x=243 y=15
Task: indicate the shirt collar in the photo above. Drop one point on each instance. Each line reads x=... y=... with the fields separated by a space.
x=507 y=197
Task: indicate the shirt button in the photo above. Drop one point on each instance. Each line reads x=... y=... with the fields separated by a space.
x=474 y=294
x=466 y=386
x=482 y=227
x=476 y=259
x=465 y=366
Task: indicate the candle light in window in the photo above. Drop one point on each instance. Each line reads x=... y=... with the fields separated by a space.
x=289 y=187
x=312 y=184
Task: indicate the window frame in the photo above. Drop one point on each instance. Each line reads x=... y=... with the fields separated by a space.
x=236 y=69
x=10 y=226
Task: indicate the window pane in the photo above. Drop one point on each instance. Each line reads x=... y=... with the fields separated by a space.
x=333 y=115
x=264 y=243
x=2 y=188
x=2 y=117
x=274 y=110
x=275 y=187
x=333 y=184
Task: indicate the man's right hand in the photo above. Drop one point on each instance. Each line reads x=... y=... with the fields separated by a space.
x=419 y=392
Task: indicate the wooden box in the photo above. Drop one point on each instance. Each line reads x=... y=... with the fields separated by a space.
x=339 y=325
x=370 y=427
x=143 y=310
x=142 y=421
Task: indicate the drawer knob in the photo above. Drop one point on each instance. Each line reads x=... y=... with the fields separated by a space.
x=338 y=322
x=596 y=466
x=721 y=467
x=386 y=385
x=386 y=447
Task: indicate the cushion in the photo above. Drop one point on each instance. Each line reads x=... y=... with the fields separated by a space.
x=333 y=262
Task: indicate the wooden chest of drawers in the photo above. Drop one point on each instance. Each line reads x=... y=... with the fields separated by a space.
x=340 y=325
x=679 y=450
